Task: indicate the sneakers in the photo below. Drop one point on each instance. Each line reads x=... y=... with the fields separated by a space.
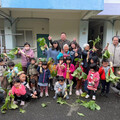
x=15 y=102
x=77 y=92
x=70 y=93
x=80 y=91
x=87 y=96
x=41 y=94
x=46 y=94
x=55 y=96
x=94 y=97
x=67 y=97
x=22 y=103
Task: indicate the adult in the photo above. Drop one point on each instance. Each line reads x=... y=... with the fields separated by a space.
x=26 y=55
x=114 y=50
x=64 y=53
x=75 y=51
x=52 y=52
x=63 y=40
x=85 y=55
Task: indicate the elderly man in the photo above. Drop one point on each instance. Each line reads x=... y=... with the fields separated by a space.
x=64 y=53
x=62 y=41
x=114 y=49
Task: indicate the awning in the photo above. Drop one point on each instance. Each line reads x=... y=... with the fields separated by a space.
x=111 y=9
x=54 y=4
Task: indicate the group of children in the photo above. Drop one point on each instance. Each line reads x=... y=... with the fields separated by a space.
x=25 y=86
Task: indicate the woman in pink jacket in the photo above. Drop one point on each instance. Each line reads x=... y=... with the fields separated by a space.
x=69 y=69
x=26 y=54
x=93 y=81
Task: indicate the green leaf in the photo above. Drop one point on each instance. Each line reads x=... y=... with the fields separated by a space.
x=80 y=114
x=42 y=43
x=78 y=101
x=11 y=56
x=60 y=101
x=13 y=106
x=97 y=107
x=21 y=110
x=43 y=105
x=91 y=105
x=83 y=94
x=14 y=51
x=5 y=73
x=106 y=55
x=95 y=41
x=19 y=66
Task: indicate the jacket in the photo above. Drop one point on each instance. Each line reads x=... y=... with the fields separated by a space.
x=63 y=55
x=60 y=69
x=93 y=77
x=71 y=69
x=32 y=70
x=51 y=53
x=102 y=72
x=19 y=91
x=44 y=76
x=115 y=55
x=58 y=86
x=25 y=60
x=72 y=54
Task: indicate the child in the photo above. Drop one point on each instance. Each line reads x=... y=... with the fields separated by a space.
x=35 y=93
x=103 y=71
x=60 y=67
x=79 y=82
x=69 y=69
x=3 y=79
x=23 y=80
x=32 y=69
x=13 y=71
x=1 y=94
x=40 y=65
x=19 y=92
x=44 y=79
x=60 y=88
x=52 y=68
x=93 y=81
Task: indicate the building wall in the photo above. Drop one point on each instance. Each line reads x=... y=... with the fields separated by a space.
x=116 y=28
x=1 y=24
x=71 y=27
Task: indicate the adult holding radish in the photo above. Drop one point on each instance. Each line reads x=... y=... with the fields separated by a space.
x=75 y=51
x=114 y=50
x=26 y=55
x=52 y=52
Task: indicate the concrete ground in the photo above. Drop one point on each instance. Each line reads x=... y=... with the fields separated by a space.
x=110 y=109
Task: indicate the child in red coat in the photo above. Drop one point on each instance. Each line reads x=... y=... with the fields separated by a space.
x=103 y=71
x=93 y=81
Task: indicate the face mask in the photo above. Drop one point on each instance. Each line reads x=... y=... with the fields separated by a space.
x=27 y=48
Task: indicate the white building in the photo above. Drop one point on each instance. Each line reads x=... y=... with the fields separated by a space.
x=83 y=19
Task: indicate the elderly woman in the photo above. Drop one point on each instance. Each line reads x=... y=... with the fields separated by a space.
x=64 y=53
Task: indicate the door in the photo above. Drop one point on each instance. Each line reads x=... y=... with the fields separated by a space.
x=39 y=51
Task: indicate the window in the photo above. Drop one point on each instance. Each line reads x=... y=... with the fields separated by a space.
x=25 y=37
